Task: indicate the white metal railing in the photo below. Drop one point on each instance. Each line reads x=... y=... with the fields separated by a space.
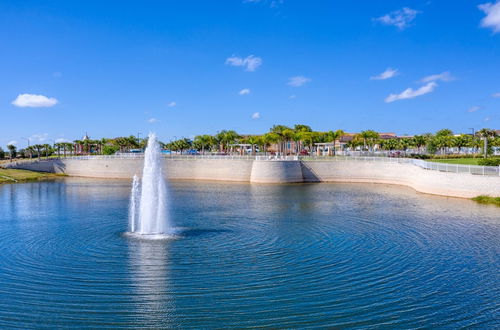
x=273 y=157
x=435 y=166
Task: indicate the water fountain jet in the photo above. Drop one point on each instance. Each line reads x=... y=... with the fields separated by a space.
x=148 y=210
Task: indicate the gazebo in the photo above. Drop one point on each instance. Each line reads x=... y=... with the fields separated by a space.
x=322 y=146
x=241 y=146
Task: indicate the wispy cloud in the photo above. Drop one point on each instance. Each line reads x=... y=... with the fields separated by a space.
x=61 y=140
x=495 y=95
x=172 y=104
x=256 y=115
x=388 y=73
x=487 y=119
x=401 y=18
x=474 y=108
x=445 y=76
x=292 y=96
x=250 y=63
x=39 y=137
x=272 y=3
x=492 y=18
x=13 y=142
x=57 y=74
x=34 y=101
x=410 y=93
x=244 y=91
x=152 y=120
x=298 y=81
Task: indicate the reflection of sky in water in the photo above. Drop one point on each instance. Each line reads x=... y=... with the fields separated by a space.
x=324 y=255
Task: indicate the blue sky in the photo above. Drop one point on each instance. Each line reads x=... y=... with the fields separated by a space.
x=182 y=68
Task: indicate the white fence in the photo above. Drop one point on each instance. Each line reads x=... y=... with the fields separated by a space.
x=435 y=166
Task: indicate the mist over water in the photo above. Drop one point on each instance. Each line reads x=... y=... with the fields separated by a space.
x=148 y=198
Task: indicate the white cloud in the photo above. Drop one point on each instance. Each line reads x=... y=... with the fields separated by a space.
x=474 y=108
x=298 y=81
x=256 y=115
x=62 y=140
x=34 y=101
x=445 y=76
x=39 y=137
x=496 y=95
x=172 y=104
x=152 y=120
x=410 y=93
x=492 y=18
x=388 y=73
x=487 y=119
x=292 y=96
x=13 y=142
x=250 y=63
x=401 y=18
x=57 y=74
x=244 y=91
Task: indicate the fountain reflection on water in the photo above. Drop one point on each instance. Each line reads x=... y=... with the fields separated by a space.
x=148 y=216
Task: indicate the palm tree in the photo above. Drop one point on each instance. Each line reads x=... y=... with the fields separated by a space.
x=391 y=144
x=287 y=136
x=253 y=140
x=12 y=151
x=462 y=141
x=202 y=142
x=298 y=129
x=419 y=141
x=58 y=147
x=485 y=134
x=444 y=132
x=38 y=147
x=268 y=139
x=369 y=138
x=47 y=150
x=284 y=133
x=225 y=138
x=333 y=137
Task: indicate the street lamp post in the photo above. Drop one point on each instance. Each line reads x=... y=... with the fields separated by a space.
x=27 y=139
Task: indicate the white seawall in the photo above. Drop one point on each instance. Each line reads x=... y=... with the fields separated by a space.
x=263 y=171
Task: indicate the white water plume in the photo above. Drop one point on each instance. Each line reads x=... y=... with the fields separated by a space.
x=148 y=209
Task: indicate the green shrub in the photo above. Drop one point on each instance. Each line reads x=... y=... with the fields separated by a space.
x=489 y=162
x=109 y=150
x=420 y=156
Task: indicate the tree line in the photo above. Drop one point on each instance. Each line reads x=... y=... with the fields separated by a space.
x=286 y=140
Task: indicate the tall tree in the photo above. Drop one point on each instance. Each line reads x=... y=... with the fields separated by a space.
x=486 y=134
x=334 y=136
x=369 y=138
x=12 y=151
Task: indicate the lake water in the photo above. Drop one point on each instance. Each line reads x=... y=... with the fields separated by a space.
x=289 y=256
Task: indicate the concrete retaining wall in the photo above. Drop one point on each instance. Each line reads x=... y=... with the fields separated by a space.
x=276 y=171
x=425 y=181
x=262 y=171
x=180 y=169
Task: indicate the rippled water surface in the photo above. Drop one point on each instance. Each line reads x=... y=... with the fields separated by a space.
x=293 y=256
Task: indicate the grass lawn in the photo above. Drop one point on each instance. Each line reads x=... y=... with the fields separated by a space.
x=463 y=161
x=11 y=175
x=487 y=200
